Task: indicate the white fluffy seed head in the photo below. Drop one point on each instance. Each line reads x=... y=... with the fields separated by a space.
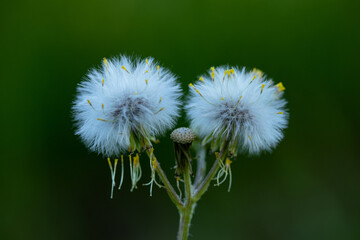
x=240 y=106
x=182 y=135
x=124 y=104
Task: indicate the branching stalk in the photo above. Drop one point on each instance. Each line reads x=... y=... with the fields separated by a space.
x=192 y=194
x=202 y=188
x=170 y=190
x=187 y=211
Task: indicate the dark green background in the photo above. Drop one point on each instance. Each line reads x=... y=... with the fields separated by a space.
x=308 y=188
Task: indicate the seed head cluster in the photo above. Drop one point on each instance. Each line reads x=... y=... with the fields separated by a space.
x=124 y=104
x=239 y=106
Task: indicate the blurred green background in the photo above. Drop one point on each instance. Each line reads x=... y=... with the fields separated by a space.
x=308 y=188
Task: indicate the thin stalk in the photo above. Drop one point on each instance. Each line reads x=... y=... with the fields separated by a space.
x=201 y=189
x=201 y=166
x=187 y=211
x=170 y=190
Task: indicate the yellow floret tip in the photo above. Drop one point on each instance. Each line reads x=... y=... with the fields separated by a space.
x=191 y=85
x=280 y=87
x=262 y=88
x=104 y=120
x=212 y=73
x=159 y=110
x=258 y=72
x=136 y=160
x=154 y=163
x=89 y=102
x=228 y=161
x=125 y=69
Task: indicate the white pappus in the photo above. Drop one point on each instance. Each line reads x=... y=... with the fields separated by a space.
x=124 y=104
x=239 y=106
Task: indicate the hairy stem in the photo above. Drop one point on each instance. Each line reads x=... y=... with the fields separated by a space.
x=170 y=190
x=187 y=211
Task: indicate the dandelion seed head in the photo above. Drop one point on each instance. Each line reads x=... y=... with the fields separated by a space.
x=240 y=106
x=124 y=104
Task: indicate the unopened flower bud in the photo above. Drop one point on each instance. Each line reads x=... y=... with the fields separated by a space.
x=182 y=138
x=182 y=135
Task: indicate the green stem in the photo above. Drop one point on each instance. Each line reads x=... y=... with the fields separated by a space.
x=192 y=195
x=202 y=188
x=170 y=190
x=184 y=224
x=187 y=211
